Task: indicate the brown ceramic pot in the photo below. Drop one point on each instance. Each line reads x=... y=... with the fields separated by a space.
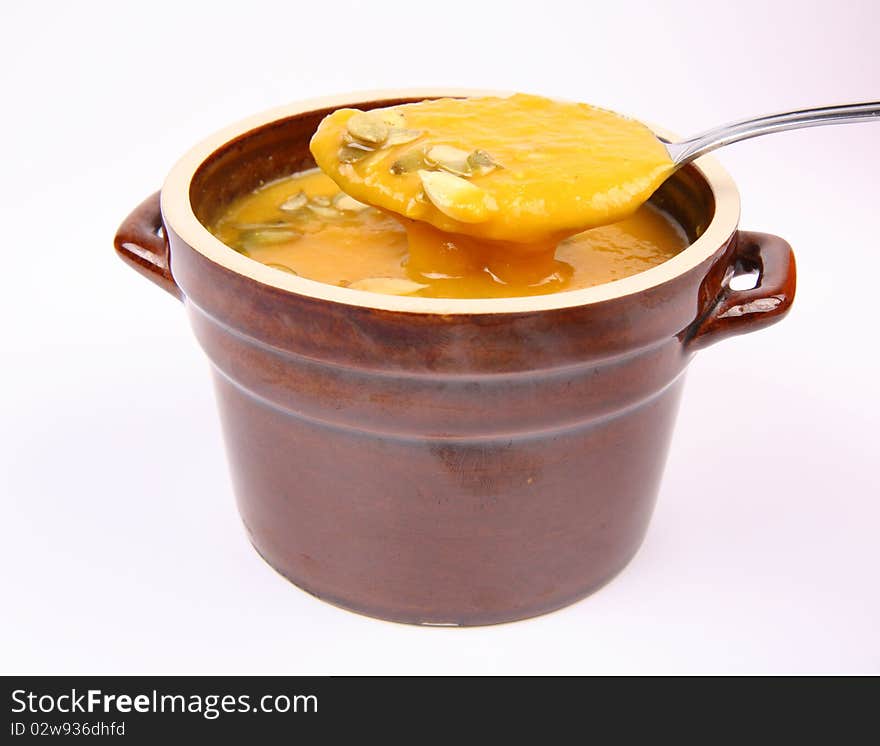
x=445 y=462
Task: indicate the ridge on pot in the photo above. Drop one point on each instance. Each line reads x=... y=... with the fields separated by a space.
x=443 y=461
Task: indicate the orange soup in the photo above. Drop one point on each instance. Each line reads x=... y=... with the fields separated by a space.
x=304 y=224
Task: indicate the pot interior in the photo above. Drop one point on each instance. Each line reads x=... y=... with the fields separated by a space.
x=281 y=148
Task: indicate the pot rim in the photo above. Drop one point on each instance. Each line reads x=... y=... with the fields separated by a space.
x=178 y=214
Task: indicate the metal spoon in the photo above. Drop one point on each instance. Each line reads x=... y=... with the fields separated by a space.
x=684 y=151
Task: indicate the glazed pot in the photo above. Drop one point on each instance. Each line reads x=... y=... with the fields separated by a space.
x=445 y=462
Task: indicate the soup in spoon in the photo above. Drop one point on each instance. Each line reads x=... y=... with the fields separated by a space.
x=523 y=170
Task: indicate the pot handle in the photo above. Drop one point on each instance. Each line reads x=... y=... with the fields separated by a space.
x=738 y=311
x=142 y=243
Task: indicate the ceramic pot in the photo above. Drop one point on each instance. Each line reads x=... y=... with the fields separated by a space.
x=445 y=462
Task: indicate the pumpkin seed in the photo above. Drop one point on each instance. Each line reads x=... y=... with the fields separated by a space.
x=368 y=127
x=449 y=159
x=328 y=213
x=414 y=160
x=353 y=152
x=320 y=199
x=394 y=118
x=387 y=285
x=271 y=236
x=482 y=163
x=294 y=203
x=344 y=202
x=401 y=137
x=278 y=224
x=282 y=268
x=457 y=198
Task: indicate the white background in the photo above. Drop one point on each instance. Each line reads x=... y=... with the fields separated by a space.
x=121 y=547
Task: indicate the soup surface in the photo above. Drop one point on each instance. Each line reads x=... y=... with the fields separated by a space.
x=304 y=224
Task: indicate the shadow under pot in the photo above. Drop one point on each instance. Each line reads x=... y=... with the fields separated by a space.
x=434 y=461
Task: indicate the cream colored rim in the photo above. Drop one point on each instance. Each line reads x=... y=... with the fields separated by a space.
x=179 y=216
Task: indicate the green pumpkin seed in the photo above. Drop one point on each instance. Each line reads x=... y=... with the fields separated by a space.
x=482 y=163
x=294 y=203
x=328 y=213
x=414 y=160
x=401 y=137
x=450 y=159
x=353 y=152
x=344 y=202
x=271 y=236
x=276 y=225
x=368 y=128
x=394 y=118
x=457 y=198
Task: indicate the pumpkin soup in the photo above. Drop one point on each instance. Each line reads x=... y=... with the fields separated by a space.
x=305 y=225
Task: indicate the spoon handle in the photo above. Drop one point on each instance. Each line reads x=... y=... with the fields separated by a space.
x=685 y=151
